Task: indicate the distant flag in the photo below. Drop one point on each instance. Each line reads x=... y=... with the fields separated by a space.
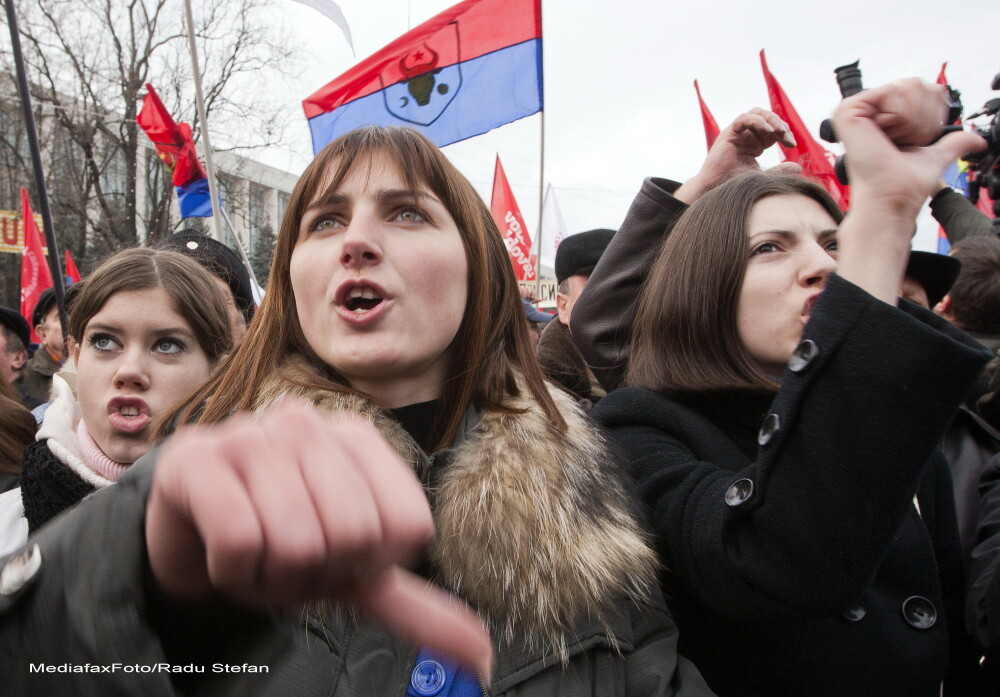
x=941 y=79
x=508 y=217
x=35 y=275
x=333 y=11
x=468 y=70
x=943 y=245
x=71 y=271
x=175 y=148
x=711 y=127
x=554 y=230
x=815 y=160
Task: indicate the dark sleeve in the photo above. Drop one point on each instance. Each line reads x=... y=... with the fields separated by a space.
x=958 y=217
x=92 y=602
x=853 y=428
x=982 y=609
x=602 y=316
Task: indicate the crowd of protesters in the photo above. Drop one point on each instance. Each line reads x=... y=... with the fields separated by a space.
x=755 y=452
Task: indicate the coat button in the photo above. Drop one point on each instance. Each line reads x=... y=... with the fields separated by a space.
x=738 y=492
x=768 y=427
x=855 y=614
x=919 y=612
x=20 y=569
x=427 y=678
x=803 y=355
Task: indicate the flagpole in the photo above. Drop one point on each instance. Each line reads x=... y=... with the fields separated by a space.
x=541 y=212
x=200 y=104
x=243 y=253
x=36 y=163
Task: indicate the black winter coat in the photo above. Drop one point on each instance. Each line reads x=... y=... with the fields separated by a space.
x=797 y=562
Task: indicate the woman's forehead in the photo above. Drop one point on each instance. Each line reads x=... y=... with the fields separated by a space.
x=375 y=170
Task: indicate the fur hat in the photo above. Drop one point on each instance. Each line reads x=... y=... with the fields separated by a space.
x=220 y=260
x=935 y=272
x=578 y=254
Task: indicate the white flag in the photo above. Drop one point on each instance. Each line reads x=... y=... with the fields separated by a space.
x=333 y=11
x=552 y=233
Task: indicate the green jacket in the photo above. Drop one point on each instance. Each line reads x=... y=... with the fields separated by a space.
x=38 y=374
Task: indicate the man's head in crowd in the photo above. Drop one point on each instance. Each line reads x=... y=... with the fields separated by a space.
x=576 y=257
x=14 y=339
x=973 y=303
x=928 y=278
x=45 y=319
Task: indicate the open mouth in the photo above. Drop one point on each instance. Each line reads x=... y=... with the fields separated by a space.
x=362 y=299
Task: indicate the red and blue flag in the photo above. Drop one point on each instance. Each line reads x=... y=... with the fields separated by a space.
x=470 y=69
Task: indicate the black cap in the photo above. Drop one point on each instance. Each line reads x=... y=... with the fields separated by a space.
x=220 y=260
x=13 y=320
x=578 y=254
x=935 y=272
x=45 y=302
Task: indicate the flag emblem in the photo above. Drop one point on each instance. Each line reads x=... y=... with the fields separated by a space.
x=426 y=90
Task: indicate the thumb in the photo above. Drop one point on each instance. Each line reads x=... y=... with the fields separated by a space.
x=425 y=615
x=955 y=145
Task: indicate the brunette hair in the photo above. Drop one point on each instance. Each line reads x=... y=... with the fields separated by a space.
x=686 y=336
x=194 y=293
x=17 y=428
x=492 y=343
x=975 y=294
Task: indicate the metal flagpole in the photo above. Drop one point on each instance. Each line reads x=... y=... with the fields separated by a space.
x=243 y=253
x=541 y=168
x=55 y=268
x=541 y=212
x=200 y=103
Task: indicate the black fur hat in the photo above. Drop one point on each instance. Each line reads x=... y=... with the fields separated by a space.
x=578 y=254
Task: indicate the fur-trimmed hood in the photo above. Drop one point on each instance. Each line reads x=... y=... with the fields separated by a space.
x=534 y=529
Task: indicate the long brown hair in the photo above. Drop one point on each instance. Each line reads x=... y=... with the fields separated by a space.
x=17 y=428
x=686 y=337
x=492 y=342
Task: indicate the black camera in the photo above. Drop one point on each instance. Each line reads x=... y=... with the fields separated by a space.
x=984 y=166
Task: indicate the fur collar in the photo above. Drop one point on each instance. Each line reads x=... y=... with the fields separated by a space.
x=535 y=529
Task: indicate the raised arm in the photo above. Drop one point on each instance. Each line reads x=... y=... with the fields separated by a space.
x=605 y=311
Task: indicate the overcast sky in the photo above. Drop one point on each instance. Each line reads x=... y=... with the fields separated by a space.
x=619 y=100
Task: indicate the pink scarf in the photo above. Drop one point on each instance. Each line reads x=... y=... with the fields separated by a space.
x=94 y=457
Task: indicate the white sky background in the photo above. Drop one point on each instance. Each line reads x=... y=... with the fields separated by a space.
x=619 y=100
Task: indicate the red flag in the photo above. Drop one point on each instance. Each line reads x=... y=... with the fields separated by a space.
x=941 y=79
x=71 y=271
x=172 y=140
x=35 y=276
x=815 y=160
x=511 y=223
x=711 y=127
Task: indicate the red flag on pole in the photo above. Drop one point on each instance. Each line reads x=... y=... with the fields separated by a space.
x=711 y=127
x=815 y=160
x=511 y=223
x=35 y=276
x=71 y=271
x=172 y=140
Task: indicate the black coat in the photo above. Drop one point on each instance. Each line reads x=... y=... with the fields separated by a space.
x=796 y=561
